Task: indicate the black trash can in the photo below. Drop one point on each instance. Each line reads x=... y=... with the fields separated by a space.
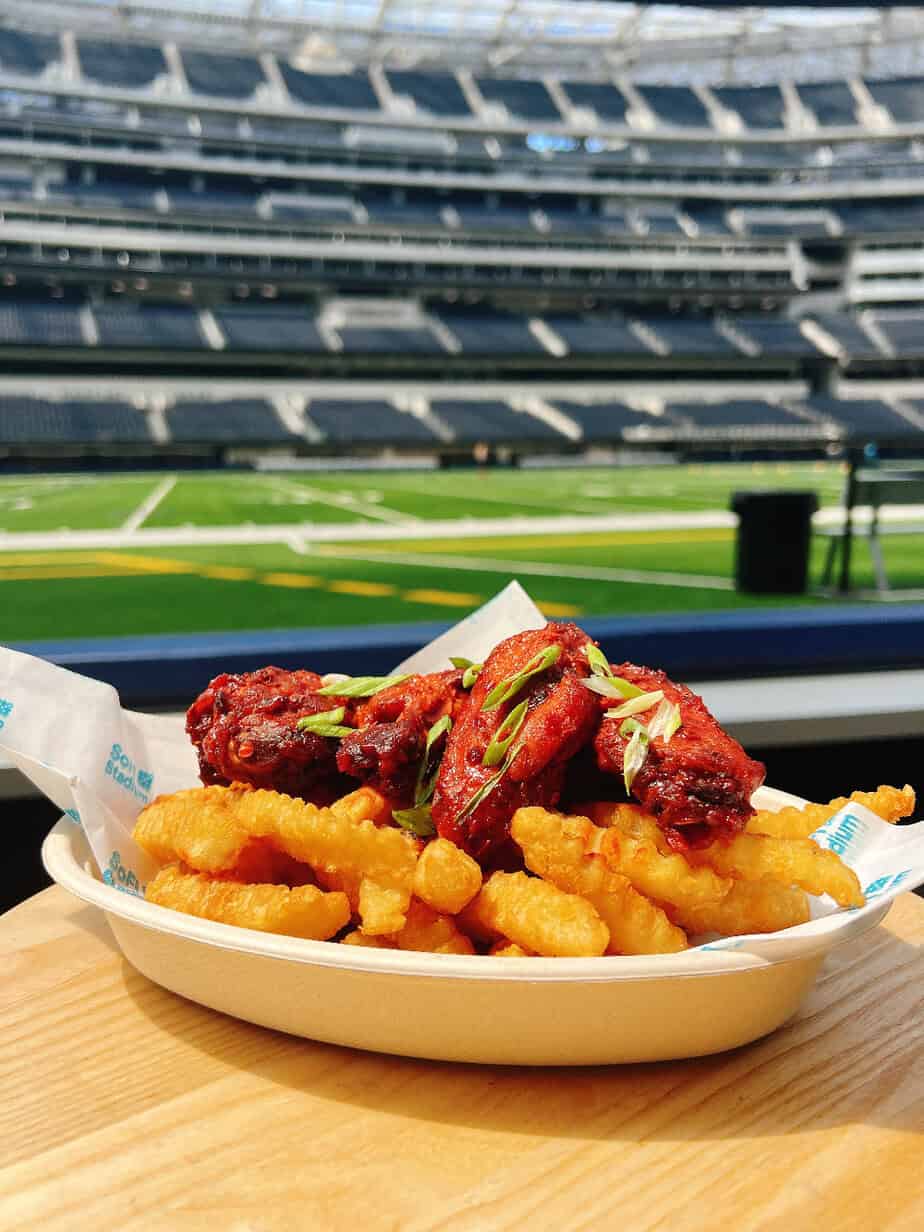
x=772 y=548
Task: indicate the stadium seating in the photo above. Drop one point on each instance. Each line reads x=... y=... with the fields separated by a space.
x=231 y=421
x=676 y=105
x=604 y=421
x=849 y=335
x=363 y=340
x=775 y=336
x=491 y=421
x=609 y=335
x=186 y=201
x=35 y=421
x=904 y=331
x=438 y=93
x=902 y=97
x=128 y=325
x=367 y=422
x=311 y=209
x=43 y=325
x=894 y=214
x=757 y=106
x=477 y=215
x=120 y=64
x=831 y=102
x=382 y=207
x=744 y=414
x=106 y=194
x=351 y=91
x=221 y=76
x=488 y=333
x=692 y=337
x=600 y=97
x=864 y=418
x=266 y=327
x=524 y=99
x=29 y=54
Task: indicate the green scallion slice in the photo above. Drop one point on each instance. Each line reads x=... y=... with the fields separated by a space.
x=665 y=721
x=636 y=750
x=509 y=688
x=426 y=775
x=418 y=820
x=636 y=705
x=360 y=686
x=505 y=735
x=327 y=723
x=612 y=686
x=599 y=663
x=471 y=674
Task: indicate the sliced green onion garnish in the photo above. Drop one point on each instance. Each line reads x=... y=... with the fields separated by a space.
x=426 y=778
x=509 y=688
x=488 y=786
x=636 y=750
x=599 y=663
x=612 y=686
x=360 y=686
x=635 y=705
x=461 y=661
x=471 y=674
x=505 y=735
x=665 y=721
x=327 y=723
x=418 y=820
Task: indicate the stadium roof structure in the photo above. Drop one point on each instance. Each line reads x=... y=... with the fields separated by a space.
x=655 y=42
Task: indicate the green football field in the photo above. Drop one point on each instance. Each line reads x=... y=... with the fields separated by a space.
x=101 y=555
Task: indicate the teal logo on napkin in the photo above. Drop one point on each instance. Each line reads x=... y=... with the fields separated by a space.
x=123 y=771
x=121 y=878
x=6 y=709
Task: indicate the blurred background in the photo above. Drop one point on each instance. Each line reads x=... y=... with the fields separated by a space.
x=320 y=320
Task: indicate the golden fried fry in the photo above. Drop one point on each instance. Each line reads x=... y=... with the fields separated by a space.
x=446 y=877
x=748 y=907
x=791 y=861
x=536 y=915
x=508 y=949
x=209 y=827
x=889 y=803
x=259 y=863
x=303 y=912
x=370 y=943
x=382 y=909
x=364 y=804
x=431 y=932
x=560 y=849
x=634 y=845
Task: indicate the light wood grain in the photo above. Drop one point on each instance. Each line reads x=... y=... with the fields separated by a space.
x=126 y=1107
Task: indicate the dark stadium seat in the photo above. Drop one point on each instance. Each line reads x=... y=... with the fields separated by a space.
x=383 y=208
x=523 y=99
x=831 y=102
x=748 y=414
x=579 y=222
x=216 y=126
x=775 y=336
x=128 y=325
x=438 y=93
x=676 y=105
x=868 y=418
x=660 y=220
x=478 y=216
x=492 y=421
x=487 y=333
x=186 y=201
x=849 y=335
x=709 y=217
x=35 y=421
x=232 y=421
x=904 y=331
x=898 y=214
x=299 y=133
x=684 y=154
x=604 y=421
x=352 y=91
x=758 y=106
x=120 y=64
x=316 y=209
x=28 y=54
x=363 y=340
x=106 y=194
x=902 y=97
x=15 y=188
x=367 y=421
x=268 y=327
x=598 y=96
x=52 y=325
x=222 y=76
x=692 y=337
x=597 y=335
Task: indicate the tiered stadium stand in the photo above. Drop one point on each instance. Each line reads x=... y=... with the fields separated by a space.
x=602 y=336
x=29 y=54
x=367 y=422
x=266 y=327
x=186 y=201
x=437 y=93
x=383 y=207
x=902 y=97
x=222 y=76
x=43 y=325
x=363 y=340
x=131 y=326
x=120 y=64
x=528 y=100
x=490 y=421
x=600 y=97
x=492 y=334
x=904 y=331
x=604 y=421
x=746 y=414
x=849 y=335
x=677 y=106
x=232 y=421
x=34 y=421
x=352 y=91
x=692 y=337
x=775 y=336
x=758 y=106
x=864 y=418
x=831 y=102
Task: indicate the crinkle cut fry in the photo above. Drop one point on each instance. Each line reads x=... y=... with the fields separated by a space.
x=303 y=912
x=748 y=907
x=633 y=844
x=209 y=827
x=431 y=932
x=891 y=804
x=536 y=915
x=791 y=861
x=560 y=849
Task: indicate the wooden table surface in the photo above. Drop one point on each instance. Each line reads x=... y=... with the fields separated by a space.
x=126 y=1107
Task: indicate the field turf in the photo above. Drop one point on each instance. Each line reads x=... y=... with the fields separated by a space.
x=131 y=585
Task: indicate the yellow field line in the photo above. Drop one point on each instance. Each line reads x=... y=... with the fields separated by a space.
x=297 y=581
x=442 y=598
x=373 y=590
x=600 y=539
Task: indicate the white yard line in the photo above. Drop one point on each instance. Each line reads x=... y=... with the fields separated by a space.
x=584 y=573
x=338 y=500
x=149 y=504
